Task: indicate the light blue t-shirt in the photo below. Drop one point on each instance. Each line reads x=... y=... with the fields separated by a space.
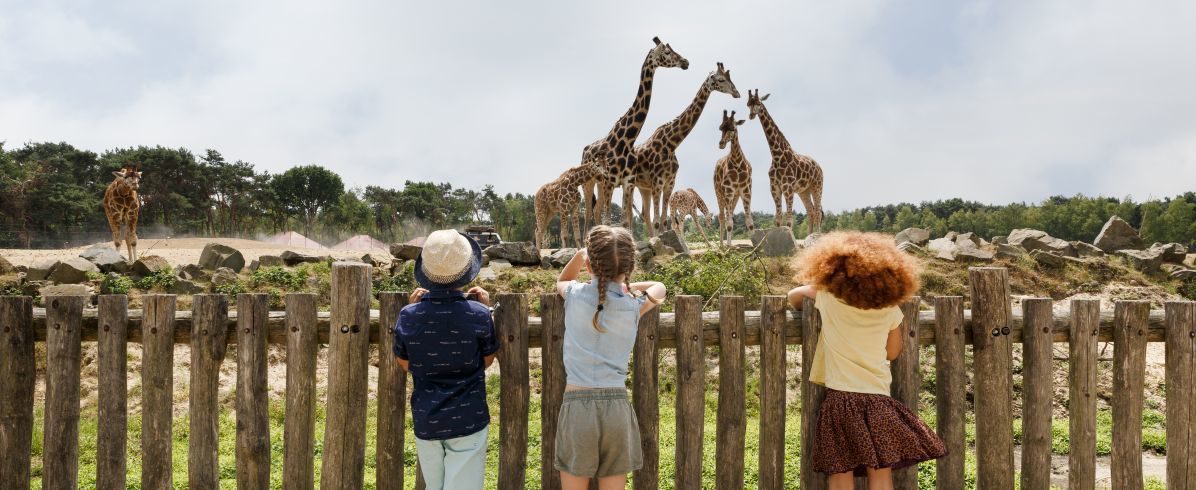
x=596 y=359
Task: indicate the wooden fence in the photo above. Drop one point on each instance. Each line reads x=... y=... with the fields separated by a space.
x=991 y=327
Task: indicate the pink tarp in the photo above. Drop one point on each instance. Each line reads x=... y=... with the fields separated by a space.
x=293 y=239
x=361 y=242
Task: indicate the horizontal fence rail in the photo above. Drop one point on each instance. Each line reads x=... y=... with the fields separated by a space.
x=350 y=327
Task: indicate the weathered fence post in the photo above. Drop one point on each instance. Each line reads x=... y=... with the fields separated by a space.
x=993 y=356
x=348 y=359
x=113 y=407
x=691 y=391
x=1181 y=390
x=645 y=399
x=209 y=342
x=552 y=316
x=731 y=431
x=392 y=395
x=1129 y=380
x=299 y=424
x=951 y=381
x=907 y=380
x=253 y=395
x=811 y=398
x=1037 y=382
x=1081 y=406
x=17 y=374
x=157 y=382
x=60 y=450
x=511 y=326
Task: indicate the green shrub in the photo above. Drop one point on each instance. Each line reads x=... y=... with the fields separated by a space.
x=1187 y=289
x=402 y=281
x=116 y=284
x=231 y=288
x=94 y=276
x=713 y=273
x=163 y=278
x=291 y=280
x=10 y=289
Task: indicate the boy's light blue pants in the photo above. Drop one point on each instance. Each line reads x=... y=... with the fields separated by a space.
x=458 y=463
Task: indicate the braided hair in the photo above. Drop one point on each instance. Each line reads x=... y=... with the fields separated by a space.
x=611 y=251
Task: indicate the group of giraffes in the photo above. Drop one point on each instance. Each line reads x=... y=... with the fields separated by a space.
x=616 y=161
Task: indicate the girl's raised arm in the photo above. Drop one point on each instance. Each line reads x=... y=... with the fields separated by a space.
x=800 y=293
x=654 y=291
x=570 y=272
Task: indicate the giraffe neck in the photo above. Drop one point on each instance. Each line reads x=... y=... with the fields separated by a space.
x=628 y=126
x=123 y=196
x=575 y=177
x=777 y=143
x=675 y=131
x=736 y=150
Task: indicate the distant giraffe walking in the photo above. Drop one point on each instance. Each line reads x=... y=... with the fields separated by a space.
x=561 y=196
x=732 y=180
x=687 y=202
x=791 y=173
x=122 y=208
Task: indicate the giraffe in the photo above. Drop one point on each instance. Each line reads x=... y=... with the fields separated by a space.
x=615 y=150
x=656 y=159
x=561 y=196
x=732 y=179
x=122 y=208
x=791 y=172
x=684 y=203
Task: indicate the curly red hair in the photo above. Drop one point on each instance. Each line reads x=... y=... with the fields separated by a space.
x=864 y=270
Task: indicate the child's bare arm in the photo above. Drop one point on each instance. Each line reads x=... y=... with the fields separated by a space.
x=798 y=294
x=894 y=343
x=570 y=272
x=655 y=292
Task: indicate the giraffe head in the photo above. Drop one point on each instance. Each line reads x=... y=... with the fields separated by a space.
x=756 y=103
x=663 y=56
x=729 y=128
x=720 y=80
x=130 y=175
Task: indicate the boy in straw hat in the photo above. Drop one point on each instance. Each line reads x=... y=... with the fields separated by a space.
x=446 y=341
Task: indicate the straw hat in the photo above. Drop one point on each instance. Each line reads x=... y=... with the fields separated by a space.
x=449 y=260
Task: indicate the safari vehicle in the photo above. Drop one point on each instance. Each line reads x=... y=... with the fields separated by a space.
x=483 y=234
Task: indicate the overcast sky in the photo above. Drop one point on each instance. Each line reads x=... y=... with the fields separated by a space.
x=898 y=101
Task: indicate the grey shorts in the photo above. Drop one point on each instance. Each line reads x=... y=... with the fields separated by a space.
x=597 y=434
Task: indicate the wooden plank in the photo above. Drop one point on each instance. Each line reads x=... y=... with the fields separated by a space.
x=348 y=358
x=732 y=395
x=208 y=347
x=951 y=380
x=907 y=380
x=1181 y=392
x=691 y=392
x=392 y=396
x=1037 y=387
x=1081 y=405
x=510 y=322
x=552 y=307
x=993 y=364
x=645 y=398
x=299 y=425
x=1129 y=383
x=157 y=390
x=17 y=375
x=811 y=399
x=113 y=407
x=253 y=393
x=60 y=449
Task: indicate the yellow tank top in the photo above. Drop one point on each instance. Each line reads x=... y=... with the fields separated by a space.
x=850 y=355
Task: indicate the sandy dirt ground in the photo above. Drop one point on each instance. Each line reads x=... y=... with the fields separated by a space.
x=181 y=251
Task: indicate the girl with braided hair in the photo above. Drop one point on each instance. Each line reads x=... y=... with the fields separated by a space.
x=598 y=435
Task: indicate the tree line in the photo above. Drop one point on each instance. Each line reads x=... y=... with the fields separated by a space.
x=51 y=195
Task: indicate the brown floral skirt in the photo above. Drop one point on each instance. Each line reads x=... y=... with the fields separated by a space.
x=857 y=431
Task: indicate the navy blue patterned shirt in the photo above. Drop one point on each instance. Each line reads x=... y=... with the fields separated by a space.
x=444 y=338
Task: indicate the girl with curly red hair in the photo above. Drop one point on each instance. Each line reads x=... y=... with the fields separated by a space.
x=857 y=281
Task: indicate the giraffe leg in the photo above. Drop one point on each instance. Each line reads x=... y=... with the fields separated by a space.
x=587 y=203
x=540 y=210
x=576 y=232
x=816 y=200
x=131 y=238
x=807 y=201
x=607 y=193
x=114 y=224
x=747 y=211
x=665 y=193
x=564 y=229
x=646 y=197
x=789 y=212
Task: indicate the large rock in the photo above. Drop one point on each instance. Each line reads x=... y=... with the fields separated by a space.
x=969 y=240
x=1184 y=274
x=184 y=286
x=810 y=240
x=1000 y=240
x=561 y=257
x=517 y=253
x=1005 y=251
x=1039 y=240
x=912 y=249
x=644 y=252
x=374 y=260
x=106 y=258
x=487 y=274
x=973 y=254
x=1147 y=261
x=224 y=276
x=216 y=255
x=72 y=270
x=65 y=290
x=149 y=264
x=916 y=236
x=675 y=242
x=943 y=248
x=296 y=258
x=1190 y=261
x=40 y=269
x=1118 y=235
x=193 y=272
x=1087 y=249
x=406 y=251
x=6 y=266
x=1049 y=259
x=774 y=242
x=270 y=261
x=661 y=249
x=1173 y=253
x=499 y=265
